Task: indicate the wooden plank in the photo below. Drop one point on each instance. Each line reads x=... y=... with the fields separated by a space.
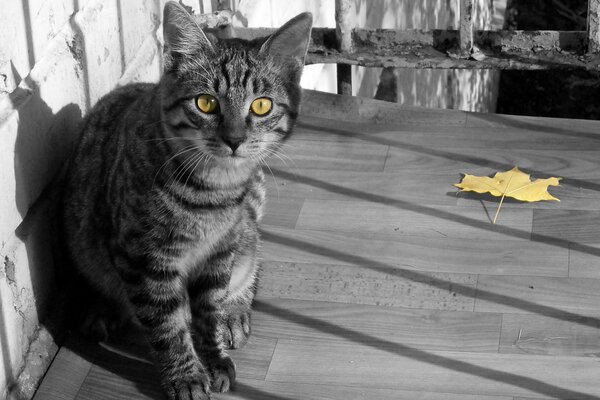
x=579 y=226
x=404 y=185
x=575 y=165
x=535 y=334
x=530 y=398
x=424 y=186
x=117 y=384
x=348 y=156
x=280 y=210
x=563 y=297
x=384 y=365
x=572 y=197
x=560 y=126
x=252 y=361
x=584 y=263
x=360 y=285
x=435 y=254
x=64 y=377
x=255 y=390
x=435 y=140
x=398 y=219
x=128 y=374
x=346 y=111
x=311 y=321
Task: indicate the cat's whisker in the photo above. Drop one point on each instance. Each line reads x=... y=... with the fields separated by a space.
x=208 y=159
x=280 y=153
x=182 y=151
x=261 y=160
x=166 y=139
x=186 y=165
x=193 y=169
x=281 y=156
x=184 y=168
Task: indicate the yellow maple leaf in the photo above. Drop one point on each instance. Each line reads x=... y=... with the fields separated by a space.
x=514 y=183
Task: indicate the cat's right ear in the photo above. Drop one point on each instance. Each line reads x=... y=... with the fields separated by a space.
x=182 y=35
x=291 y=40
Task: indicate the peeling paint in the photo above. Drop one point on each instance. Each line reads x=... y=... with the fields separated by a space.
x=9 y=270
x=526 y=50
x=22 y=297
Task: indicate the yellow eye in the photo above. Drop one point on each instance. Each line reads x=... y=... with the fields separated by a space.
x=261 y=106
x=207 y=103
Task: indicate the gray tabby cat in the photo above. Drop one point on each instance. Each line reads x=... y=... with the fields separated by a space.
x=164 y=193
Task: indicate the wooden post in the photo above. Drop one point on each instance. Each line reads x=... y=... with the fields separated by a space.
x=344 y=16
x=466 y=28
x=593 y=26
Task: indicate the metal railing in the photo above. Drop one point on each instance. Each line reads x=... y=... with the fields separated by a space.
x=463 y=48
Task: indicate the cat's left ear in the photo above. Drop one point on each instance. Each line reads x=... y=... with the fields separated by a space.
x=291 y=40
x=182 y=34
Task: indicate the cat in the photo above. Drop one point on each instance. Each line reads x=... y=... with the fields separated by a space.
x=164 y=193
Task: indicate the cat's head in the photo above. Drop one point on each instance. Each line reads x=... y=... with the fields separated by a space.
x=235 y=100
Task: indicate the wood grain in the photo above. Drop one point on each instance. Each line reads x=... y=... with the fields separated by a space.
x=535 y=334
x=352 y=284
x=282 y=211
x=563 y=126
x=126 y=375
x=360 y=109
x=402 y=219
x=379 y=282
x=261 y=390
x=384 y=365
x=436 y=140
x=402 y=252
x=405 y=186
x=320 y=321
x=350 y=156
x=571 y=196
x=65 y=377
x=539 y=163
x=578 y=296
x=584 y=263
x=425 y=187
x=578 y=226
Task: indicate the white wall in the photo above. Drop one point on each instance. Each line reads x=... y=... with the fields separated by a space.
x=63 y=55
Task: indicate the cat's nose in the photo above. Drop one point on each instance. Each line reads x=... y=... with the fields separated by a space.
x=233 y=142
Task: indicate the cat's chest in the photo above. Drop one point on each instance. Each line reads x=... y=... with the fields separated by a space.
x=204 y=234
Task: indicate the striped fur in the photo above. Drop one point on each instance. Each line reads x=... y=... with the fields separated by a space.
x=160 y=214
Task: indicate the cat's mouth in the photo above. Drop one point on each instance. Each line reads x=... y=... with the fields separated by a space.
x=235 y=157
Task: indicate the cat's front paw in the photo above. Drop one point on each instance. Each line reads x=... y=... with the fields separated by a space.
x=190 y=388
x=235 y=330
x=223 y=374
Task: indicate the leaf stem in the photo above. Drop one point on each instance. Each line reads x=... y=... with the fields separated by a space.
x=498 y=210
x=502 y=199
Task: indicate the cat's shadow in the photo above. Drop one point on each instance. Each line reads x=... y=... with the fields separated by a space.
x=129 y=362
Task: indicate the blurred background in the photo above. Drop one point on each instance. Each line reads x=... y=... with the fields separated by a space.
x=566 y=94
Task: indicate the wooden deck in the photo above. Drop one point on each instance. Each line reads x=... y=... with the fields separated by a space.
x=379 y=282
